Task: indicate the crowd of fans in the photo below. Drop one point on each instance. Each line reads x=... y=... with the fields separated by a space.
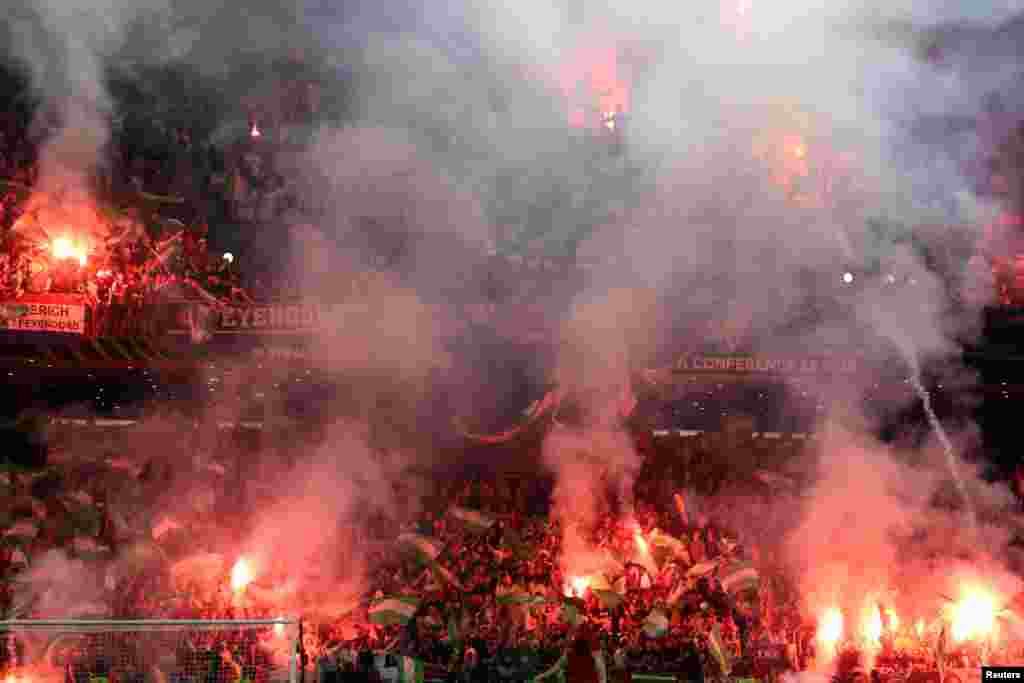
x=495 y=600
x=467 y=623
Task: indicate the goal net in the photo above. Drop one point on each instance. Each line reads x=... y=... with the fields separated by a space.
x=149 y=651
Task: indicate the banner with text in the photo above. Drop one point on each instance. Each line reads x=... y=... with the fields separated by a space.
x=757 y=363
x=44 y=313
x=190 y=318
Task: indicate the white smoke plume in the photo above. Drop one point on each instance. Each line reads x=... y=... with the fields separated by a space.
x=723 y=97
x=66 y=47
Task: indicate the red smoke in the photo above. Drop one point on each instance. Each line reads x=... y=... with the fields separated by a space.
x=594 y=80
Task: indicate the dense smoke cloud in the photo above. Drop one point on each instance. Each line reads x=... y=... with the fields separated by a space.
x=65 y=46
x=314 y=534
x=692 y=216
x=716 y=95
x=876 y=527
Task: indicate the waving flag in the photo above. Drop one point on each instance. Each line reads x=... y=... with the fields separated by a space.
x=426 y=548
x=571 y=610
x=537 y=410
x=739 y=577
x=410 y=670
x=445 y=576
x=702 y=569
x=393 y=610
x=718 y=650
x=656 y=624
x=474 y=519
x=659 y=539
x=608 y=593
x=517 y=595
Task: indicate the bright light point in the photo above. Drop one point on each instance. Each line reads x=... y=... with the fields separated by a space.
x=241 y=575
x=63 y=248
x=871 y=628
x=279 y=629
x=847 y=277
x=830 y=628
x=894 y=621
x=974 y=616
x=229 y=257
x=577 y=586
x=255 y=132
x=890 y=278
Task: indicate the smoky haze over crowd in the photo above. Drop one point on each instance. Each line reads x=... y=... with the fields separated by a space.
x=460 y=115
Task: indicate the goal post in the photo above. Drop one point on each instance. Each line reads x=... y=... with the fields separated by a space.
x=150 y=651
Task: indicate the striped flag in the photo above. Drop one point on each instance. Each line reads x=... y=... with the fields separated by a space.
x=426 y=548
x=393 y=610
x=445 y=576
x=656 y=624
x=739 y=577
x=410 y=670
x=702 y=568
x=571 y=611
x=474 y=519
x=517 y=595
x=659 y=539
x=718 y=650
x=608 y=593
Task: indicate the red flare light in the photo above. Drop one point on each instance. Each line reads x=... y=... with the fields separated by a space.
x=64 y=248
x=577 y=586
x=973 y=617
x=830 y=629
x=242 y=575
x=871 y=626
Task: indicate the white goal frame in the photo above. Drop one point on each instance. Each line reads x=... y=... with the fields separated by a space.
x=57 y=628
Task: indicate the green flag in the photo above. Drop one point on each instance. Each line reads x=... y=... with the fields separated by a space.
x=427 y=549
x=473 y=519
x=718 y=650
x=394 y=610
x=410 y=670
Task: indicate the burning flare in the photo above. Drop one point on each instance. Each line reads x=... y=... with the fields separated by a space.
x=577 y=586
x=830 y=629
x=64 y=248
x=242 y=575
x=871 y=626
x=974 y=616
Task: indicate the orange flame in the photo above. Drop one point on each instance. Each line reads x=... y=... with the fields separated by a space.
x=594 y=78
x=830 y=628
x=641 y=542
x=242 y=575
x=974 y=616
x=577 y=586
x=64 y=248
x=871 y=626
x=894 y=620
